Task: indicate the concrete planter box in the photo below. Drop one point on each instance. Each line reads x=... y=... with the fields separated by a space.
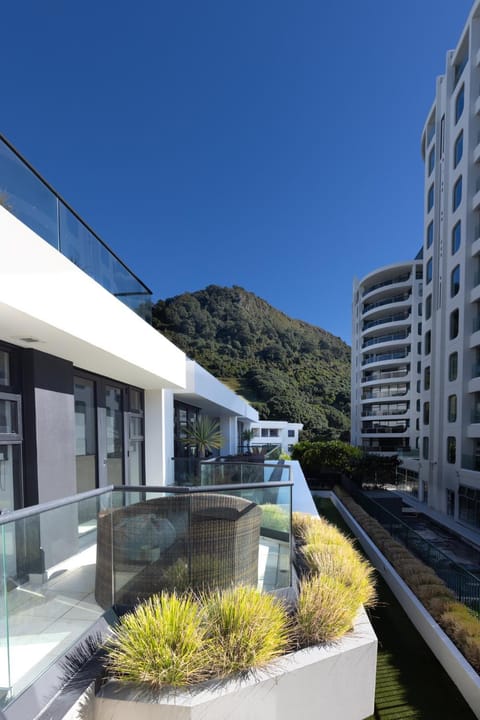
x=338 y=681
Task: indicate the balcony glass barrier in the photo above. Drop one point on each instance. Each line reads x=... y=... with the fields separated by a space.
x=385 y=374
x=387 y=301
x=64 y=564
x=385 y=338
x=27 y=196
x=386 y=356
x=398 y=317
x=465 y=585
x=393 y=281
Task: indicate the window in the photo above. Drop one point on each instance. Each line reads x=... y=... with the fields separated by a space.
x=451 y=503
x=426 y=413
x=455 y=281
x=442 y=136
x=451 y=450
x=456 y=237
x=452 y=408
x=430 y=234
x=457 y=193
x=428 y=342
x=4 y=368
x=291 y=433
x=430 y=197
x=459 y=103
x=453 y=324
x=419 y=367
x=418 y=405
x=453 y=366
x=419 y=347
x=264 y=432
x=426 y=378
x=458 y=150
x=431 y=160
x=419 y=328
x=428 y=278
x=425 y=448
x=428 y=307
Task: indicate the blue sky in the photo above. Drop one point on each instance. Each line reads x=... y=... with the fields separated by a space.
x=270 y=144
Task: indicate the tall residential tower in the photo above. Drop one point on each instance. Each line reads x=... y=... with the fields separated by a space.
x=446 y=474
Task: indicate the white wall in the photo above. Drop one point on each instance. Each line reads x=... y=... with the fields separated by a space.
x=45 y=296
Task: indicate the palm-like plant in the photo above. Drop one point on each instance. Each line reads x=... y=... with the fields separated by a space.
x=247 y=436
x=204 y=434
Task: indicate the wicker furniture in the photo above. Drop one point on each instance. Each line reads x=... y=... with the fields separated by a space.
x=175 y=541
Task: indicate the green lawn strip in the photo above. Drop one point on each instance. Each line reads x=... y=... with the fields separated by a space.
x=411 y=683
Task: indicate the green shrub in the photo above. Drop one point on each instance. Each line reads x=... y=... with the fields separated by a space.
x=246 y=629
x=162 y=642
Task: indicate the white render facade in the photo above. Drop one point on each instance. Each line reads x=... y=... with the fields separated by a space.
x=275 y=432
x=90 y=393
x=446 y=473
x=385 y=359
x=449 y=464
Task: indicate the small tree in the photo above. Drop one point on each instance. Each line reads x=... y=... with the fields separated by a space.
x=247 y=436
x=203 y=434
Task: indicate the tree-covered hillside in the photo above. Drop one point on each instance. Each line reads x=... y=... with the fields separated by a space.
x=286 y=368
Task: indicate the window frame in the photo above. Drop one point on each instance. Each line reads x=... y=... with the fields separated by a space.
x=458 y=144
x=457 y=194
x=456 y=237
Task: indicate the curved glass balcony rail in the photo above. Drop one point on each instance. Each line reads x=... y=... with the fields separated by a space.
x=386 y=301
x=385 y=338
x=35 y=203
x=386 y=356
x=404 y=277
x=398 y=317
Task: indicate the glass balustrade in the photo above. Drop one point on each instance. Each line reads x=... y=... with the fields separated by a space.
x=64 y=564
x=33 y=201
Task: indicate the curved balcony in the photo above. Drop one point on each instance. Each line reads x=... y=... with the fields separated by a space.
x=386 y=392
x=385 y=427
x=391 y=319
x=377 y=376
x=387 y=412
x=377 y=340
x=386 y=357
x=404 y=298
x=400 y=279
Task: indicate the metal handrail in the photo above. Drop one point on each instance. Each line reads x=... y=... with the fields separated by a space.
x=389 y=519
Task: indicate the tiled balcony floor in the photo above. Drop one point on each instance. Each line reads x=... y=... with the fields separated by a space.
x=45 y=619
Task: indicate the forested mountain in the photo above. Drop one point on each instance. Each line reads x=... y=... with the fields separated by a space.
x=286 y=368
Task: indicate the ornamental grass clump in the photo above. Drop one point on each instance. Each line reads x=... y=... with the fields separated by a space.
x=246 y=629
x=338 y=581
x=326 y=609
x=162 y=642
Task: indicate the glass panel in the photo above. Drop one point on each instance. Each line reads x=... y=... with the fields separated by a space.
x=9 y=474
x=135 y=462
x=51 y=585
x=86 y=251
x=135 y=426
x=85 y=441
x=27 y=197
x=9 y=417
x=114 y=435
x=4 y=648
x=4 y=368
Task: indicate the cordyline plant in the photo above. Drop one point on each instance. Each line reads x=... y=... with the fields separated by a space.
x=204 y=434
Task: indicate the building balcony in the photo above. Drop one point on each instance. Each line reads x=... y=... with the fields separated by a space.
x=385 y=357
x=36 y=204
x=390 y=320
x=391 y=283
x=381 y=339
x=67 y=563
x=473 y=430
x=399 y=299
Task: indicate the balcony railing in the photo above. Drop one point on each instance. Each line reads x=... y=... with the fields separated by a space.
x=387 y=301
x=192 y=471
x=384 y=412
x=385 y=338
x=393 y=281
x=36 y=204
x=64 y=563
x=465 y=585
x=386 y=356
x=385 y=374
x=398 y=317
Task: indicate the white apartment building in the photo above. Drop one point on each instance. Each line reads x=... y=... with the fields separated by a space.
x=446 y=475
x=275 y=433
x=386 y=354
